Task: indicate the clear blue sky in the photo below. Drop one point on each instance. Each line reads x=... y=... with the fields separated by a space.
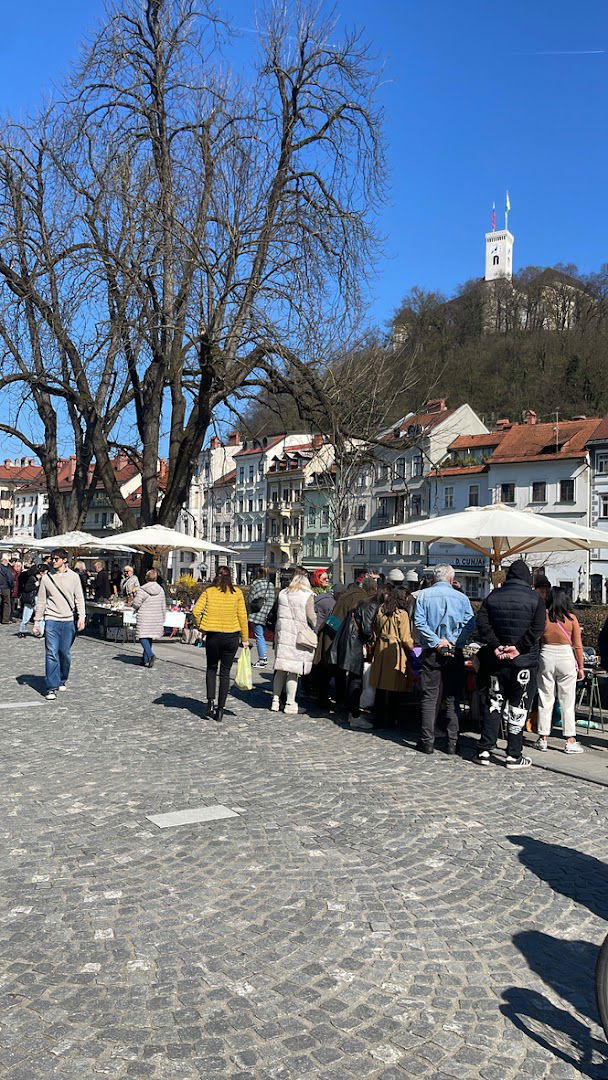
x=479 y=97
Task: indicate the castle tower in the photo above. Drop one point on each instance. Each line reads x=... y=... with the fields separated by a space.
x=499 y=255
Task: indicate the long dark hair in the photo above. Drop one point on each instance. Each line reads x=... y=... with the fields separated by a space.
x=395 y=600
x=559 y=605
x=223 y=579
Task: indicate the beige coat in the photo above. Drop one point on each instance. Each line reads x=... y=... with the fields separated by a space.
x=392 y=643
x=149 y=603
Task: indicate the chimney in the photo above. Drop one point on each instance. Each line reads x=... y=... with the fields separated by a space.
x=503 y=425
x=7 y=463
x=24 y=462
x=234 y=438
x=214 y=443
x=436 y=405
x=317 y=442
x=530 y=417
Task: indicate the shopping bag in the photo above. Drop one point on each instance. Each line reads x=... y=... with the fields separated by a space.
x=368 y=692
x=244 y=674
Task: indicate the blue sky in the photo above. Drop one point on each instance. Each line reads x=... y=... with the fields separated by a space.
x=478 y=96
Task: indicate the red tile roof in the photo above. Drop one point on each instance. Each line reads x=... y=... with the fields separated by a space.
x=525 y=442
x=227 y=478
x=426 y=421
x=459 y=470
x=259 y=449
x=471 y=442
x=19 y=473
x=601 y=432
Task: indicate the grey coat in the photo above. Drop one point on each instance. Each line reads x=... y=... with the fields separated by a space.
x=149 y=603
x=295 y=610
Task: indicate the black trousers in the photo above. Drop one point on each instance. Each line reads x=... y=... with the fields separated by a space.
x=221 y=649
x=441 y=682
x=508 y=693
x=5 y=597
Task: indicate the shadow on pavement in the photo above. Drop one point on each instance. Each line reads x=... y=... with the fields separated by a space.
x=532 y=1013
x=567 y=966
x=570 y=872
x=177 y=701
x=134 y=659
x=36 y=682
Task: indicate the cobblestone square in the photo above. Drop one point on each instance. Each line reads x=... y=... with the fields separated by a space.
x=368 y=912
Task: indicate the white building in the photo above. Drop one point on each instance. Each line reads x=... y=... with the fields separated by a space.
x=400 y=486
x=597 y=445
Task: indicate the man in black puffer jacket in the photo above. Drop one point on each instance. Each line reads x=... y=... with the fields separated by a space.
x=510 y=623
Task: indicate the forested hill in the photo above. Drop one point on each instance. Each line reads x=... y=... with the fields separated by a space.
x=540 y=342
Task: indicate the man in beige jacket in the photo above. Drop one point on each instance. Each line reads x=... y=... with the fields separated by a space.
x=60 y=601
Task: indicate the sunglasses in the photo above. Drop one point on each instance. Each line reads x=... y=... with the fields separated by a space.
x=57 y=558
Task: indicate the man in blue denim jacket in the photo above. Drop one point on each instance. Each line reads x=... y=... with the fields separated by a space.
x=444 y=620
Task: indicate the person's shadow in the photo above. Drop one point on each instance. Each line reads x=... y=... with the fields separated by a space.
x=35 y=682
x=581 y=877
x=180 y=701
x=532 y=1013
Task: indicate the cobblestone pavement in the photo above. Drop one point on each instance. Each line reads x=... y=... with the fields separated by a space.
x=368 y=913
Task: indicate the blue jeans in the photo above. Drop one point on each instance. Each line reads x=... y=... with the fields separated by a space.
x=146 y=644
x=26 y=615
x=260 y=641
x=58 y=638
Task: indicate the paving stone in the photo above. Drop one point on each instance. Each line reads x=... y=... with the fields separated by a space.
x=361 y=912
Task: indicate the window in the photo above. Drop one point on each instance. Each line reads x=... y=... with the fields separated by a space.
x=242 y=474
x=272 y=558
x=323 y=547
x=568 y=587
x=361 y=512
x=399 y=547
x=473 y=494
x=285 y=495
x=400 y=473
x=241 y=505
x=228 y=506
x=260 y=535
x=361 y=547
x=604 y=506
x=539 y=491
x=249 y=533
x=239 y=530
x=274 y=527
x=325 y=516
x=251 y=473
x=382 y=473
x=261 y=467
x=227 y=533
x=601 y=461
x=448 y=498
x=381 y=547
x=566 y=491
x=495 y=260
x=312 y=515
x=507 y=493
x=415 y=547
x=382 y=508
x=417 y=465
x=416 y=505
x=260 y=504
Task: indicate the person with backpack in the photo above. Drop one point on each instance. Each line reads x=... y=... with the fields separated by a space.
x=60 y=602
x=259 y=603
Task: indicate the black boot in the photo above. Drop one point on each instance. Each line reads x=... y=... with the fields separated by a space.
x=210 y=710
x=218 y=715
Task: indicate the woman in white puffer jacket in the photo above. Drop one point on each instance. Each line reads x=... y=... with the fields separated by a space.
x=295 y=615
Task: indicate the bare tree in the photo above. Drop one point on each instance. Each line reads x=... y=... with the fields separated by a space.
x=186 y=230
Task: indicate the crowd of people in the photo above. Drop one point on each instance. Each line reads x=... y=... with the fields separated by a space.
x=374 y=648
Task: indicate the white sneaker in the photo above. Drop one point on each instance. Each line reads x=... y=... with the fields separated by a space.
x=262 y=662
x=518 y=763
x=275 y=705
x=359 y=723
x=291 y=709
x=574 y=748
x=63 y=688
x=51 y=695
x=541 y=743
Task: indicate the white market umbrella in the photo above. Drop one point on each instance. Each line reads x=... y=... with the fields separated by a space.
x=496 y=531
x=156 y=540
x=75 y=541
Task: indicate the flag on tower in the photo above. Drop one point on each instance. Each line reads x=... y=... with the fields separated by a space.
x=507 y=203
x=493 y=217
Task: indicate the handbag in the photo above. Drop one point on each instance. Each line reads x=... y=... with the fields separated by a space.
x=244 y=674
x=306 y=638
x=271 y=618
x=332 y=623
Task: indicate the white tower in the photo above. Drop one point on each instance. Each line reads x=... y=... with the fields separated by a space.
x=499 y=255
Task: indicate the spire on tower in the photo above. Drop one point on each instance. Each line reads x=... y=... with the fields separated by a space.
x=507 y=208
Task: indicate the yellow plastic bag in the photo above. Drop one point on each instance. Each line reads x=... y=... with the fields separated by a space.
x=244 y=674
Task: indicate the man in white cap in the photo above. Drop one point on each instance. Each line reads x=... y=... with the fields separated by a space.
x=395 y=576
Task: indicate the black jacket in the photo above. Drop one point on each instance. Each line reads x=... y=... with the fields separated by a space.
x=28 y=586
x=514 y=614
x=6 y=576
x=103 y=587
x=356 y=630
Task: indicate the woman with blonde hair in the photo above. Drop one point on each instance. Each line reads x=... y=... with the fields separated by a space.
x=295 y=640
x=221 y=614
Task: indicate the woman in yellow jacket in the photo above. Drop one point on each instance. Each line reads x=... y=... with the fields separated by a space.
x=221 y=614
